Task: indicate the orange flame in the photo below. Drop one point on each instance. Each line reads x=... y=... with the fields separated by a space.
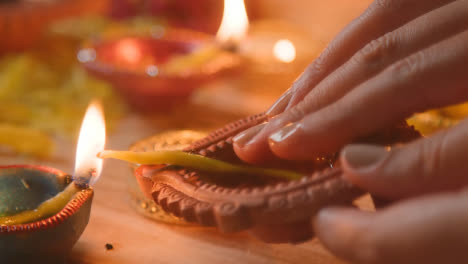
x=91 y=140
x=235 y=22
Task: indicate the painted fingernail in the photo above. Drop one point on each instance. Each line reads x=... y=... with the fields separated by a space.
x=244 y=137
x=284 y=133
x=280 y=105
x=363 y=156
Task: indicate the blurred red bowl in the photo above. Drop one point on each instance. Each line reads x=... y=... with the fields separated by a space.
x=132 y=64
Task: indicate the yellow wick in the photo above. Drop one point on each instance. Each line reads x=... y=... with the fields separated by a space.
x=45 y=209
x=194 y=161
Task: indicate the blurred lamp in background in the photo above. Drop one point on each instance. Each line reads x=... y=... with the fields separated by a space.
x=284 y=51
x=235 y=23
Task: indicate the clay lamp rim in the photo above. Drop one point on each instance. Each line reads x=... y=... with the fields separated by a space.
x=72 y=207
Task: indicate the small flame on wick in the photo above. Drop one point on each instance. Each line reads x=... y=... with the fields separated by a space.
x=90 y=142
x=284 y=50
x=234 y=24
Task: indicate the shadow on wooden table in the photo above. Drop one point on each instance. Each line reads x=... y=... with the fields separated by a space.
x=243 y=241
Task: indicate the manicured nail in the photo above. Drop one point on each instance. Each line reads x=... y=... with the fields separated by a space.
x=244 y=137
x=284 y=133
x=363 y=156
x=280 y=105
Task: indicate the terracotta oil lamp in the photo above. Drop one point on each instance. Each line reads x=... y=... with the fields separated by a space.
x=43 y=211
x=274 y=210
x=49 y=239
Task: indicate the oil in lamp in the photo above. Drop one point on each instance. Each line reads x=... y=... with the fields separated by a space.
x=43 y=211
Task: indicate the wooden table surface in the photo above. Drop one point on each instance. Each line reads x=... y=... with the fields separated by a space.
x=137 y=239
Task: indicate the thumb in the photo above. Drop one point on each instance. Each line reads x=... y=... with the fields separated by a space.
x=427 y=165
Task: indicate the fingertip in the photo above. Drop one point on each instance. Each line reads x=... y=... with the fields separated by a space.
x=293 y=142
x=361 y=161
x=335 y=222
x=344 y=232
x=248 y=136
x=285 y=133
x=377 y=169
x=288 y=142
x=326 y=217
x=251 y=145
x=254 y=153
x=363 y=157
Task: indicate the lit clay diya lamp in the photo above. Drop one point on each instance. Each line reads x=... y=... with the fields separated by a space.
x=158 y=71
x=29 y=232
x=276 y=53
x=43 y=211
x=207 y=184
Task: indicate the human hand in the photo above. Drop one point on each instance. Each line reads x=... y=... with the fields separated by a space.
x=429 y=226
x=425 y=230
x=360 y=85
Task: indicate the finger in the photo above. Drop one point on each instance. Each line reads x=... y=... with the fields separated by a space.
x=381 y=17
x=418 y=34
x=424 y=166
x=249 y=148
x=409 y=85
x=424 y=230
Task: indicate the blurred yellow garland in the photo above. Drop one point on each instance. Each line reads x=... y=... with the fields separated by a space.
x=25 y=140
x=44 y=92
x=434 y=120
x=40 y=99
